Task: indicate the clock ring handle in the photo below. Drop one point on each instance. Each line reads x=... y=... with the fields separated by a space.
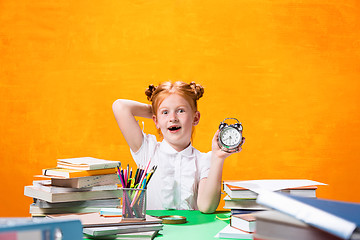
x=237 y=125
x=231 y=118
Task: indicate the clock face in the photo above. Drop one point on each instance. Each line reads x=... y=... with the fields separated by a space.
x=230 y=137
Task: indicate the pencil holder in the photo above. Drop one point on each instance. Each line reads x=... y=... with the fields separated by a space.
x=134 y=204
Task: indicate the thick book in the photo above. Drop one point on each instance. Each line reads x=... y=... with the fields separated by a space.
x=46 y=186
x=236 y=192
x=86 y=163
x=104 y=231
x=96 y=203
x=276 y=225
x=339 y=218
x=34 y=192
x=35 y=211
x=244 y=222
x=84 y=182
x=73 y=173
x=230 y=232
x=245 y=204
x=91 y=220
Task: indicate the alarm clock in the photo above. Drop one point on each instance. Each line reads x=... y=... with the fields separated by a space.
x=230 y=136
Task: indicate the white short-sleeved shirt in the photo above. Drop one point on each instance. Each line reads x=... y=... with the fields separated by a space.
x=174 y=184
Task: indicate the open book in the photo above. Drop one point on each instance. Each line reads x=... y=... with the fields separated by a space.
x=341 y=219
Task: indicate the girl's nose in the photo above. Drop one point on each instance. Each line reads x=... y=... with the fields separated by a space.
x=173 y=117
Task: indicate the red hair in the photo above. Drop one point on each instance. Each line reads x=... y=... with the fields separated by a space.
x=192 y=92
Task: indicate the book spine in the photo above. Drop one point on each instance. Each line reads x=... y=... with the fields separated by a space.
x=308 y=214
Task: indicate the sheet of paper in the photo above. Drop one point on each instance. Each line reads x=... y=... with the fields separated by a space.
x=274 y=184
x=84 y=160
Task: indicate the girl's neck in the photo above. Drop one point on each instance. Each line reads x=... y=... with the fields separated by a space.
x=178 y=148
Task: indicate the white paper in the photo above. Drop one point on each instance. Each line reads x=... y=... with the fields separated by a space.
x=85 y=160
x=86 y=163
x=273 y=184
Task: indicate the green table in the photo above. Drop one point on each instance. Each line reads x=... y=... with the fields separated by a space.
x=198 y=226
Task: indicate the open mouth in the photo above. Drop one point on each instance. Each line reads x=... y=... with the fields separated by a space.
x=174 y=128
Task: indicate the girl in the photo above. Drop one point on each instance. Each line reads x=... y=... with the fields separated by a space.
x=185 y=178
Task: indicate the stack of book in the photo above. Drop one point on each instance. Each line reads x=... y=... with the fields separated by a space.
x=241 y=199
x=76 y=185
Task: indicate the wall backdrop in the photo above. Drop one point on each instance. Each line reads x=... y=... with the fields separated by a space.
x=287 y=69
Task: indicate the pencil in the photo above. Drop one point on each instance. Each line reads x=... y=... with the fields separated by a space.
x=142 y=179
x=136 y=175
x=139 y=175
x=119 y=175
x=152 y=173
x=122 y=176
x=125 y=176
x=127 y=173
x=128 y=184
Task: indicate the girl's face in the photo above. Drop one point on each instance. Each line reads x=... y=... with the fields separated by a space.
x=175 y=119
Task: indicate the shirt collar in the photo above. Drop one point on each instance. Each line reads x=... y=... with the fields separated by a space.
x=167 y=148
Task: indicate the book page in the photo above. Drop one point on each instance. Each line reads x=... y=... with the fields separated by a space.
x=274 y=184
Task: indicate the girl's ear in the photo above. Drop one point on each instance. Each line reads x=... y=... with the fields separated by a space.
x=196 y=118
x=155 y=121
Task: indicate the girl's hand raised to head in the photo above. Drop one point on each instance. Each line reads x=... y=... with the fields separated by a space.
x=220 y=153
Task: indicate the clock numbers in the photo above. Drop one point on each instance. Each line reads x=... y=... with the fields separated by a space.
x=230 y=137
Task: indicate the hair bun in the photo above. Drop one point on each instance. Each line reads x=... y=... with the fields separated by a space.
x=150 y=91
x=198 y=90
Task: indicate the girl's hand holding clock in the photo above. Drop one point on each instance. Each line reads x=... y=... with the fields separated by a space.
x=228 y=139
x=220 y=153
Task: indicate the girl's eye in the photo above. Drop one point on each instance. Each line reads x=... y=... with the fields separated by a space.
x=181 y=110
x=164 y=112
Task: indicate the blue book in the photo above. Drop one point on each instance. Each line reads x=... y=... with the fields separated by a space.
x=40 y=229
x=339 y=218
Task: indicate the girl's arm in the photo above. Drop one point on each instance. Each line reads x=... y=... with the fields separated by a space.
x=125 y=112
x=210 y=187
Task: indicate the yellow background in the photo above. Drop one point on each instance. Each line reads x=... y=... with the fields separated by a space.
x=289 y=70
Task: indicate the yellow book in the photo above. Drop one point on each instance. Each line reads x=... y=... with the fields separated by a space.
x=72 y=173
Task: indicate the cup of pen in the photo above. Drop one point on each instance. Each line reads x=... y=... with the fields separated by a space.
x=134 y=204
